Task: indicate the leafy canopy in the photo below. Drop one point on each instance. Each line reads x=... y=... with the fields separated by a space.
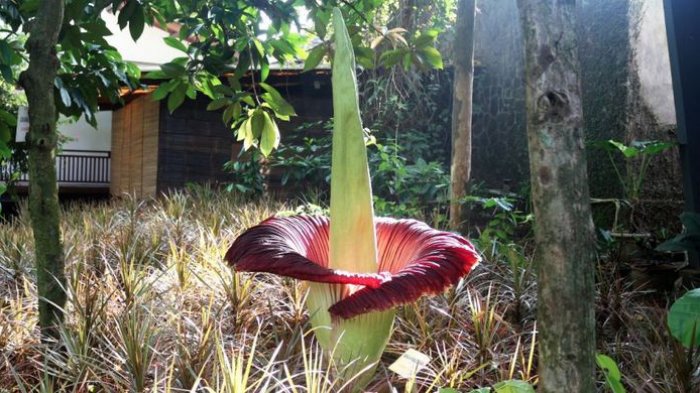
x=228 y=48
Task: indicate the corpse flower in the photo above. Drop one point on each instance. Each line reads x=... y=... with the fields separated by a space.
x=359 y=267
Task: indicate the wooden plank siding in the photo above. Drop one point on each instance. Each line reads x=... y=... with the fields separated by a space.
x=135 y=148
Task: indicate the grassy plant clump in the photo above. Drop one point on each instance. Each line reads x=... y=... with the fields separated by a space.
x=153 y=307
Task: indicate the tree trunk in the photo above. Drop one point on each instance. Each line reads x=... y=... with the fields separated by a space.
x=38 y=83
x=462 y=111
x=563 y=226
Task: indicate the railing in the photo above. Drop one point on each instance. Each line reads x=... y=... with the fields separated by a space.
x=72 y=166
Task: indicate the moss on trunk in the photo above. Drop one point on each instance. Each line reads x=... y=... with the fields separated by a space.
x=38 y=83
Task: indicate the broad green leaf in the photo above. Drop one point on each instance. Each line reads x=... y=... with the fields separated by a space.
x=7 y=74
x=137 y=22
x=392 y=57
x=191 y=92
x=627 y=151
x=684 y=319
x=513 y=386
x=448 y=390
x=176 y=98
x=5 y=133
x=432 y=57
x=264 y=69
x=257 y=123
x=481 y=390
x=276 y=101
x=270 y=138
x=5 y=52
x=173 y=70
x=364 y=56
x=164 y=89
x=8 y=118
x=315 y=57
x=218 y=104
x=126 y=13
x=613 y=377
x=426 y=38
x=232 y=112
x=689 y=239
x=175 y=43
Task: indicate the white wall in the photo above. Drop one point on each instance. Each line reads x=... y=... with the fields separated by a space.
x=78 y=135
x=82 y=136
x=650 y=47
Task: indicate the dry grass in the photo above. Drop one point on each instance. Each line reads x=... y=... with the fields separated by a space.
x=153 y=308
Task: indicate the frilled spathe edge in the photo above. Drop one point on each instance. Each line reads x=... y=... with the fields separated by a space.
x=414 y=260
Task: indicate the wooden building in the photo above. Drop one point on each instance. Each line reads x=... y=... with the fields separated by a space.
x=154 y=151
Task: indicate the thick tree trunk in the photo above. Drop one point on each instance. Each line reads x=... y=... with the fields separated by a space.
x=563 y=225
x=462 y=111
x=38 y=83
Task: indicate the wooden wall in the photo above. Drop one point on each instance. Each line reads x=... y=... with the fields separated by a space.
x=194 y=144
x=135 y=148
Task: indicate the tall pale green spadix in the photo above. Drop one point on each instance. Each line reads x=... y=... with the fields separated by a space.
x=353 y=246
x=360 y=266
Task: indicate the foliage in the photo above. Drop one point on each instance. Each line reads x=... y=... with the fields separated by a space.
x=225 y=30
x=401 y=187
x=613 y=377
x=684 y=319
x=689 y=240
x=633 y=179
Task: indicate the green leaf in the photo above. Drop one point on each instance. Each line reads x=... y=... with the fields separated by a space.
x=364 y=56
x=126 y=13
x=392 y=57
x=264 y=69
x=5 y=52
x=7 y=74
x=276 y=101
x=448 y=390
x=270 y=138
x=5 y=133
x=8 y=118
x=684 y=319
x=164 y=89
x=481 y=390
x=432 y=56
x=176 y=98
x=627 y=151
x=232 y=113
x=173 y=70
x=513 y=386
x=613 y=377
x=218 y=104
x=257 y=123
x=137 y=22
x=426 y=38
x=175 y=43
x=315 y=57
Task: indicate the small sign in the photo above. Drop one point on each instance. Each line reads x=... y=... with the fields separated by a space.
x=22 y=124
x=408 y=364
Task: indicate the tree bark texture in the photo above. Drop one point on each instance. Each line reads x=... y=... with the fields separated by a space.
x=462 y=111
x=565 y=256
x=38 y=83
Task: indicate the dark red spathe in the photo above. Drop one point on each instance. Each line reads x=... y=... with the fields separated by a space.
x=414 y=260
